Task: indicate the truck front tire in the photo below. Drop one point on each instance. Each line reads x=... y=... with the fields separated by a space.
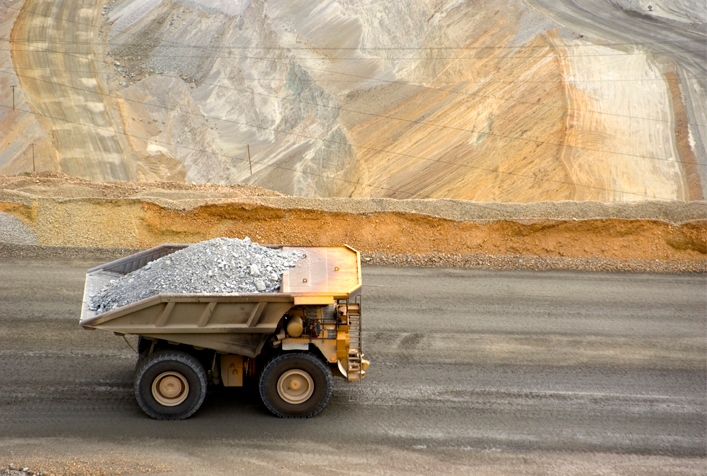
x=295 y=385
x=170 y=385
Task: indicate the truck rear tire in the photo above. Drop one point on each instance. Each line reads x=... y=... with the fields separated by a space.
x=295 y=385
x=170 y=385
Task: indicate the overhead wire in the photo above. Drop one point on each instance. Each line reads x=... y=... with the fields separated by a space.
x=360 y=48
x=453 y=91
x=379 y=150
x=399 y=154
x=110 y=68
x=211 y=47
x=178 y=46
x=370 y=48
x=329 y=177
x=411 y=121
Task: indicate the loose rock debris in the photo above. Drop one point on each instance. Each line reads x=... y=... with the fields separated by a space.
x=18 y=470
x=221 y=265
x=12 y=230
x=67 y=214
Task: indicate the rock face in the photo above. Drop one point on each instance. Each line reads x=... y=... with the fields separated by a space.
x=485 y=101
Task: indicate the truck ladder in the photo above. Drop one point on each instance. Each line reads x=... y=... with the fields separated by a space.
x=355 y=355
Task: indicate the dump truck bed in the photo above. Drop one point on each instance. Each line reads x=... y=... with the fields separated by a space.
x=225 y=322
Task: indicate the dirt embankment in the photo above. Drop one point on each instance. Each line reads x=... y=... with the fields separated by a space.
x=70 y=212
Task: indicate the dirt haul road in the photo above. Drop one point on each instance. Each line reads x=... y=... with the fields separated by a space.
x=61 y=71
x=472 y=372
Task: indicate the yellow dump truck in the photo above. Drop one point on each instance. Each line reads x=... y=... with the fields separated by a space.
x=292 y=341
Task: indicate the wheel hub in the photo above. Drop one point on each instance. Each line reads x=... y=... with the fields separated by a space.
x=295 y=386
x=170 y=389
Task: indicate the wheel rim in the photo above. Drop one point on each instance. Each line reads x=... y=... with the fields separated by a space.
x=170 y=389
x=295 y=386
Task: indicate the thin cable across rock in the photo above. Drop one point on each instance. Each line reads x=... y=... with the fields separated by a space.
x=221 y=265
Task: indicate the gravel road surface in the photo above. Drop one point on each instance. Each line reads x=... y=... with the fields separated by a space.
x=472 y=372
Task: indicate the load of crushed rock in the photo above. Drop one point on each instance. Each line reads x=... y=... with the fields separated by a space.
x=221 y=265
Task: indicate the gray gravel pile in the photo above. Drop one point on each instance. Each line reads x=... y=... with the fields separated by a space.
x=12 y=230
x=18 y=470
x=221 y=265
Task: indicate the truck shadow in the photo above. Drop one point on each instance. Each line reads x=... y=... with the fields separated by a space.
x=222 y=400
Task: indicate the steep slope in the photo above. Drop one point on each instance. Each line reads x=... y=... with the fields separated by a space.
x=676 y=34
x=487 y=101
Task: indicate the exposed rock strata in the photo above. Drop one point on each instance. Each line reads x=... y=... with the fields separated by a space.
x=480 y=101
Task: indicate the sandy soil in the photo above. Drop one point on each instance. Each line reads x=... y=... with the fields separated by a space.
x=70 y=212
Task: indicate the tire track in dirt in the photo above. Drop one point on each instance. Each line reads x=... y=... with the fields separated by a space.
x=55 y=47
